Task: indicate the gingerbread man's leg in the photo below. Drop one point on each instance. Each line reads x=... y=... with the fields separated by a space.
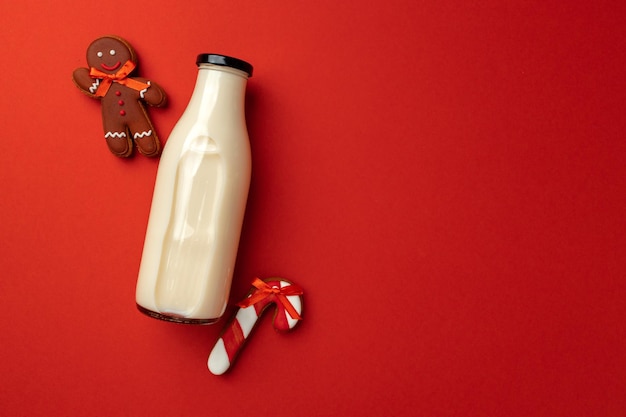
x=144 y=135
x=117 y=137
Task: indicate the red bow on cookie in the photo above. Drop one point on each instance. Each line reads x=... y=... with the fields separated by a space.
x=263 y=290
x=119 y=77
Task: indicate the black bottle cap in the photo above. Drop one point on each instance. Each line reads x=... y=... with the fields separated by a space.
x=226 y=61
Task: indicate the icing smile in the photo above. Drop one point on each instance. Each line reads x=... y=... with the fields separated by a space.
x=114 y=67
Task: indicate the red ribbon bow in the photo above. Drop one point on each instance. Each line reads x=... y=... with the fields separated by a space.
x=118 y=77
x=264 y=290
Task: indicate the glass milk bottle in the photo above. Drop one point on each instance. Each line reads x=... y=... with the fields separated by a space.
x=199 y=200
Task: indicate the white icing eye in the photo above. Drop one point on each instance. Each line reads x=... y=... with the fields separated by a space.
x=112 y=51
x=99 y=54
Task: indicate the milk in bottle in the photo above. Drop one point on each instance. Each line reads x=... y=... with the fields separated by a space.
x=199 y=200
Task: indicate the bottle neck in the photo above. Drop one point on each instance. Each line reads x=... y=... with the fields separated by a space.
x=221 y=85
x=223 y=68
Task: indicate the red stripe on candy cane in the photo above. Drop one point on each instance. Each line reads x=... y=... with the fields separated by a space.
x=233 y=338
x=285 y=296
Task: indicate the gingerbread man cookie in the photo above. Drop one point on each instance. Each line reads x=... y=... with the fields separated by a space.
x=111 y=59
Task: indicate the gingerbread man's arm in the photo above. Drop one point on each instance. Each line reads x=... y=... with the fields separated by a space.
x=84 y=82
x=153 y=95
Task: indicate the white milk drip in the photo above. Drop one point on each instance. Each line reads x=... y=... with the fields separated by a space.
x=199 y=200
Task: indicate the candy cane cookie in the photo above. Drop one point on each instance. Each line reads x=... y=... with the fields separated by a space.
x=284 y=295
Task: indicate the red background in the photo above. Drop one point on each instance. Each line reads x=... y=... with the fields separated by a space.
x=446 y=180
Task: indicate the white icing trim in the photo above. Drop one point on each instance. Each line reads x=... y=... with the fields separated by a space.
x=143 y=92
x=218 y=362
x=247 y=319
x=115 y=135
x=142 y=134
x=94 y=86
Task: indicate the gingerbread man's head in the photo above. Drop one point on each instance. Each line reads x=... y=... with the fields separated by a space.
x=109 y=53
